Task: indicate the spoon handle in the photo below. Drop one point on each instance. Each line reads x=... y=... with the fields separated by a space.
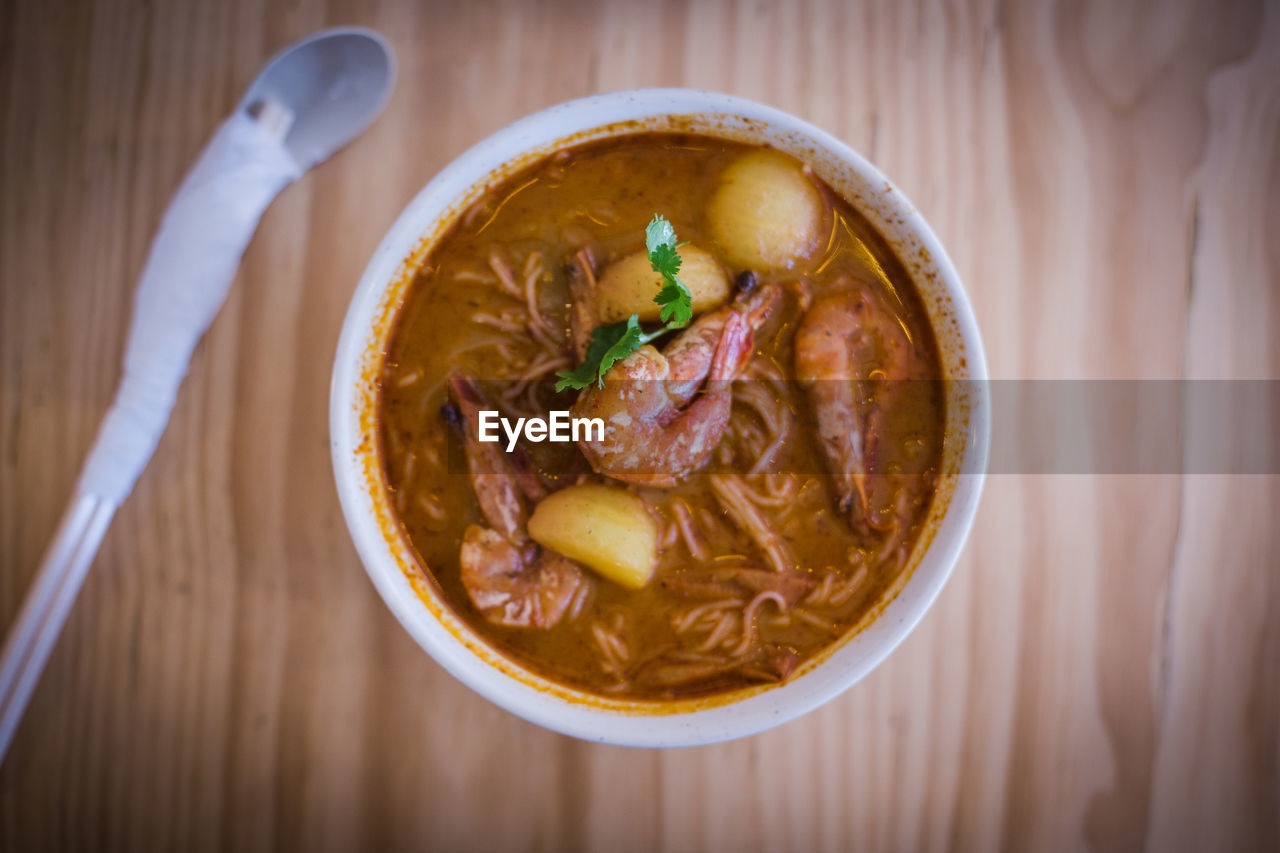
x=192 y=263
x=47 y=604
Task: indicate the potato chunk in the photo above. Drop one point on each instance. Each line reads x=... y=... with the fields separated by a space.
x=766 y=212
x=629 y=285
x=606 y=529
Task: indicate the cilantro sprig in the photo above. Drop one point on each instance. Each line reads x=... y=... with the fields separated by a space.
x=674 y=299
x=610 y=344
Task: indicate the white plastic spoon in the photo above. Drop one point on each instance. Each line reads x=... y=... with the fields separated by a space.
x=309 y=101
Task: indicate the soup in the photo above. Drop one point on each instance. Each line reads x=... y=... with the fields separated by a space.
x=760 y=472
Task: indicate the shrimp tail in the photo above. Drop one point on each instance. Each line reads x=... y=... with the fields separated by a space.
x=859 y=510
x=737 y=340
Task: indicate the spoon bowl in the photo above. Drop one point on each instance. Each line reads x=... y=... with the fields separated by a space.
x=334 y=83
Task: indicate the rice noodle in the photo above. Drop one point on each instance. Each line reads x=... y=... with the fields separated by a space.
x=787 y=491
x=708 y=519
x=670 y=534
x=770 y=408
x=407 y=379
x=746 y=515
x=506 y=278
x=763 y=391
x=504 y=323
x=490 y=343
x=602 y=213
x=686 y=656
x=434 y=510
x=772 y=495
x=544 y=337
x=541 y=366
x=608 y=650
x=894 y=552
x=723 y=628
x=469 y=218
x=531 y=397
x=522 y=397
x=620 y=649
x=432 y=506
x=533 y=272
x=749 y=618
x=574 y=235
x=681 y=624
x=431 y=453
x=750 y=434
x=395 y=444
x=408 y=468
x=822 y=591
x=764 y=369
x=529 y=321
x=675 y=675
x=426 y=396
x=472 y=277
x=684 y=523
x=508 y=355
x=520 y=408
x=834 y=591
x=614 y=652
x=580 y=598
x=813 y=619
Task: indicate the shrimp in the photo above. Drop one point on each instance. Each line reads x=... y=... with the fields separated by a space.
x=655 y=429
x=511 y=579
x=582 y=306
x=689 y=355
x=847 y=338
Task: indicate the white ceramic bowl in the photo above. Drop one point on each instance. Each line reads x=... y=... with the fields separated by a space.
x=413 y=599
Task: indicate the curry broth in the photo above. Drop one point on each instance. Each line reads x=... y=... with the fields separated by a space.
x=602 y=194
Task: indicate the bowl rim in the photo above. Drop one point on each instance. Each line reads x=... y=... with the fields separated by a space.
x=536 y=699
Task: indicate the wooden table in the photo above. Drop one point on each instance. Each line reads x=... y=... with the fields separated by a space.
x=1102 y=671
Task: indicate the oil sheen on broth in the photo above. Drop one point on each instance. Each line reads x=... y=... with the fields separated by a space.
x=757 y=569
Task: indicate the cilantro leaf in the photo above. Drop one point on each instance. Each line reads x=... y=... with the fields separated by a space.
x=609 y=344
x=665 y=260
x=674 y=299
x=659 y=232
x=675 y=304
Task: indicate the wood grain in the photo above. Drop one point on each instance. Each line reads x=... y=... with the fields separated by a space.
x=1103 y=671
